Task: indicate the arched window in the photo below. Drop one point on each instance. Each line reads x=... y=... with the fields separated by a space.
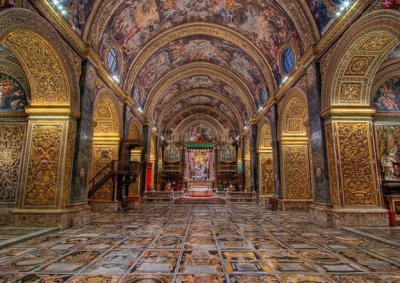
x=112 y=60
x=288 y=60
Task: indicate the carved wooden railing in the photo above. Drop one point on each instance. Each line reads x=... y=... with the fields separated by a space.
x=113 y=169
x=162 y=196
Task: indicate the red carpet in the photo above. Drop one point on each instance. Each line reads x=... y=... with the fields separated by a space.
x=199 y=200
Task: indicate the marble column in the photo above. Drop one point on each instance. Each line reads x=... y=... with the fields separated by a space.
x=276 y=151
x=254 y=157
x=320 y=176
x=145 y=154
x=84 y=137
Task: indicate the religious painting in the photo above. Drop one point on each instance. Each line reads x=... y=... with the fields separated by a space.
x=199 y=133
x=387 y=98
x=324 y=12
x=12 y=95
x=265 y=23
x=390 y=4
x=77 y=12
x=7 y=3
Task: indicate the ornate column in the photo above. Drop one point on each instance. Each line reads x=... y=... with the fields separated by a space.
x=145 y=155
x=84 y=138
x=353 y=172
x=319 y=166
x=254 y=157
x=46 y=175
x=276 y=151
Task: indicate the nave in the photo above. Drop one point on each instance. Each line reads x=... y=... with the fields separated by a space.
x=200 y=243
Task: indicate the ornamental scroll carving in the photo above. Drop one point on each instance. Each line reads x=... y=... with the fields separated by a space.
x=356 y=163
x=296 y=171
x=41 y=187
x=267 y=175
x=47 y=84
x=11 y=149
x=247 y=174
x=331 y=164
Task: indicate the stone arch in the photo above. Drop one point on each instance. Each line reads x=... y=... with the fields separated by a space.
x=209 y=121
x=293 y=116
x=264 y=135
x=198 y=69
x=51 y=70
x=200 y=92
x=106 y=117
x=357 y=58
x=134 y=132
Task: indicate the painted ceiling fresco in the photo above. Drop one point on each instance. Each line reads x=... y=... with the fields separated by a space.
x=387 y=98
x=201 y=49
x=324 y=12
x=263 y=22
x=200 y=82
x=199 y=133
x=199 y=101
x=78 y=12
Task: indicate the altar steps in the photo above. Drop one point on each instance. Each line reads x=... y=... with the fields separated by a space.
x=199 y=200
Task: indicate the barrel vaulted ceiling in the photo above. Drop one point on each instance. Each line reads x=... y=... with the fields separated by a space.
x=217 y=56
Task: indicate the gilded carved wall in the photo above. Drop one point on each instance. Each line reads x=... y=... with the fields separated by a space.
x=266 y=174
x=46 y=147
x=331 y=164
x=356 y=163
x=47 y=79
x=11 y=151
x=295 y=171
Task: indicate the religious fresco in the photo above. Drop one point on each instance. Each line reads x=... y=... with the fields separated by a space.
x=324 y=12
x=7 y=3
x=199 y=133
x=204 y=49
x=226 y=120
x=387 y=98
x=78 y=12
x=200 y=82
x=12 y=94
x=265 y=23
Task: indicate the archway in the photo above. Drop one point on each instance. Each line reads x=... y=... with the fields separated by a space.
x=352 y=160
x=106 y=139
x=47 y=62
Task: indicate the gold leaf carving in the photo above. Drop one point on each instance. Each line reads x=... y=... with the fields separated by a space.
x=356 y=163
x=11 y=149
x=41 y=188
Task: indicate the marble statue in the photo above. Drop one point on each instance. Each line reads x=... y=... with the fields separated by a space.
x=387 y=162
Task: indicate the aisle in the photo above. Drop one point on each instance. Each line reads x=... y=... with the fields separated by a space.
x=207 y=243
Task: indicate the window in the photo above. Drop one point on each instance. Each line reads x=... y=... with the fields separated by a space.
x=288 y=60
x=112 y=60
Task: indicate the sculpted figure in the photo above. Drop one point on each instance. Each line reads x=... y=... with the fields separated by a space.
x=387 y=162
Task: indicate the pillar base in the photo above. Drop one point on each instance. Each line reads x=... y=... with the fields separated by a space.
x=294 y=204
x=103 y=206
x=72 y=216
x=321 y=214
x=360 y=217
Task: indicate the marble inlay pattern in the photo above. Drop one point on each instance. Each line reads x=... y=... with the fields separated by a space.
x=230 y=243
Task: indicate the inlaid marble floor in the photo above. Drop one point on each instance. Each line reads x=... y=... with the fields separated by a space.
x=204 y=243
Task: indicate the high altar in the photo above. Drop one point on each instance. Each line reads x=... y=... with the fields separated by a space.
x=199 y=170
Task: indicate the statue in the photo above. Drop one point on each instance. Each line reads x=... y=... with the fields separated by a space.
x=387 y=162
